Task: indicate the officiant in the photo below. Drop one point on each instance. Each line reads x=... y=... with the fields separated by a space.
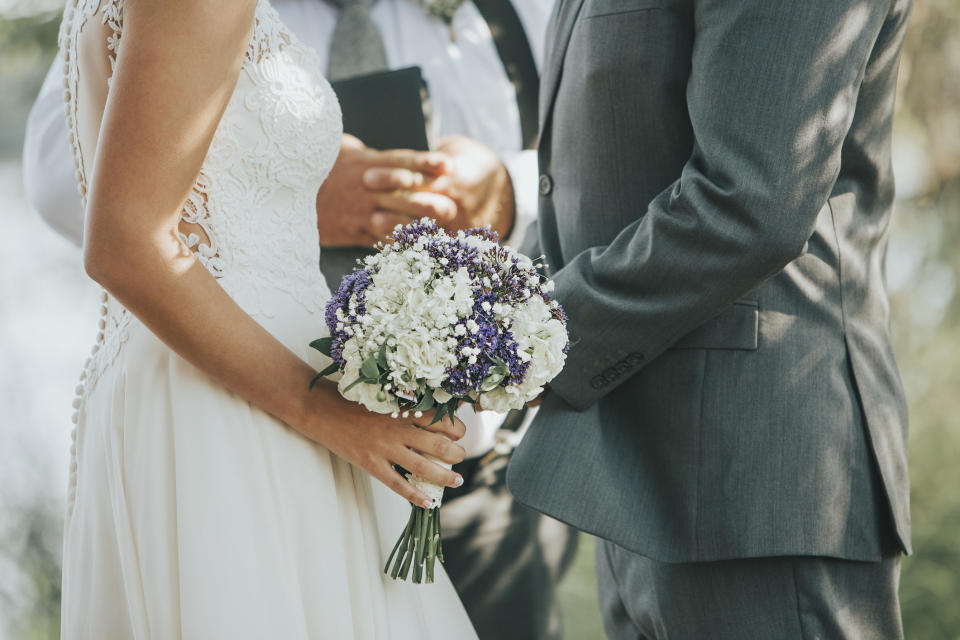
x=475 y=65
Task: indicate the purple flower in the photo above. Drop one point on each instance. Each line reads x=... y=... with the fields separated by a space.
x=353 y=284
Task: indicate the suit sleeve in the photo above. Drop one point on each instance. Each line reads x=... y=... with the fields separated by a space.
x=771 y=96
x=48 y=172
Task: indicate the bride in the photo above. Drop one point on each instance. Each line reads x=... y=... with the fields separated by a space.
x=212 y=495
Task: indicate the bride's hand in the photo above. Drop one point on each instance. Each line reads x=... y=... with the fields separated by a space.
x=375 y=442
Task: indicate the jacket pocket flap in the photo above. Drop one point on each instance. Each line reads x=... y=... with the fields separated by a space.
x=735 y=328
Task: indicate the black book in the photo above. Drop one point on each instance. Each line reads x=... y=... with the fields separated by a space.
x=385 y=109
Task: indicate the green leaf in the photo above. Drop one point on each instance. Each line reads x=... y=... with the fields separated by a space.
x=382 y=356
x=353 y=384
x=426 y=402
x=331 y=369
x=438 y=413
x=491 y=381
x=489 y=385
x=452 y=405
x=316 y=379
x=323 y=345
x=370 y=369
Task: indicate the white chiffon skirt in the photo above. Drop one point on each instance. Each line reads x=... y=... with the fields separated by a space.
x=199 y=516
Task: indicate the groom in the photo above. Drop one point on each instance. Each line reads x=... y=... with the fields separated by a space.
x=715 y=191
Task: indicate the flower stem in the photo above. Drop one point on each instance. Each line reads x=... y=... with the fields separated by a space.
x=401 y=540
x=432 y=547
x=419 y=546
x=411 y=544
x=439 y=539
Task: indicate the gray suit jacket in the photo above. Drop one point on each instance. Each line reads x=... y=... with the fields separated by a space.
x=715 y=195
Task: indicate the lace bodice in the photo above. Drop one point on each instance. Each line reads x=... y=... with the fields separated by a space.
x=251 y=216
x=253 y=204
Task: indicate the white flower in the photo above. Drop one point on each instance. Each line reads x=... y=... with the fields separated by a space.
x=421 y=310
x=501 y=400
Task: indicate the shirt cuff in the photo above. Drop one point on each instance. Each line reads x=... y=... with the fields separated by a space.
x=523 y=170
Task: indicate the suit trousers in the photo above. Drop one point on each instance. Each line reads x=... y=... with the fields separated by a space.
x=504 y=559
x=778 y=598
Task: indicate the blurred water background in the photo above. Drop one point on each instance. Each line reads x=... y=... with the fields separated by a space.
x=48 y=312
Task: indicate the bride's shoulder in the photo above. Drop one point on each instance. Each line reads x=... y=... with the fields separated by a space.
x=217 y=21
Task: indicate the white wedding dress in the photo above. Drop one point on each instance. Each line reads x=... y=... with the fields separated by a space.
x=191 y=513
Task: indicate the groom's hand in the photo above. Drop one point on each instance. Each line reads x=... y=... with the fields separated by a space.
x=346 y=209
x=475 y=179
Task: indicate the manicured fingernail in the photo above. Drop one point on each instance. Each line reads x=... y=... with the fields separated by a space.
x=458 y=481
x=428 y=504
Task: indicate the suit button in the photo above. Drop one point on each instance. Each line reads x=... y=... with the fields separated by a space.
x=610 y=374
x=635 y=359
x=546 y=184
x=622 y=367
x=597 y=382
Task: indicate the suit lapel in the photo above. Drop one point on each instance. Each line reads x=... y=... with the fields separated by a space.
x=558 y=37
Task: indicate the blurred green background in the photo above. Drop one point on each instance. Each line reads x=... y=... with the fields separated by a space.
x=47 y=302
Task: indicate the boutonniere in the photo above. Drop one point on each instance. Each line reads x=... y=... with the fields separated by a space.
x=443 y=9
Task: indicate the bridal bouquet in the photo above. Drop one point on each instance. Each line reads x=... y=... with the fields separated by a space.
x=434 y=320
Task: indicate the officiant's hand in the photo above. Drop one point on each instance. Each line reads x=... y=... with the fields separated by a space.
x=345 y=208
x=475 y=179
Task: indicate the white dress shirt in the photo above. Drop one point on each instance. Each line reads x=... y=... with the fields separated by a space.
x=470 y=95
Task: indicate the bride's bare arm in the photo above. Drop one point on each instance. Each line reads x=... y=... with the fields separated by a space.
x=176 y=69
